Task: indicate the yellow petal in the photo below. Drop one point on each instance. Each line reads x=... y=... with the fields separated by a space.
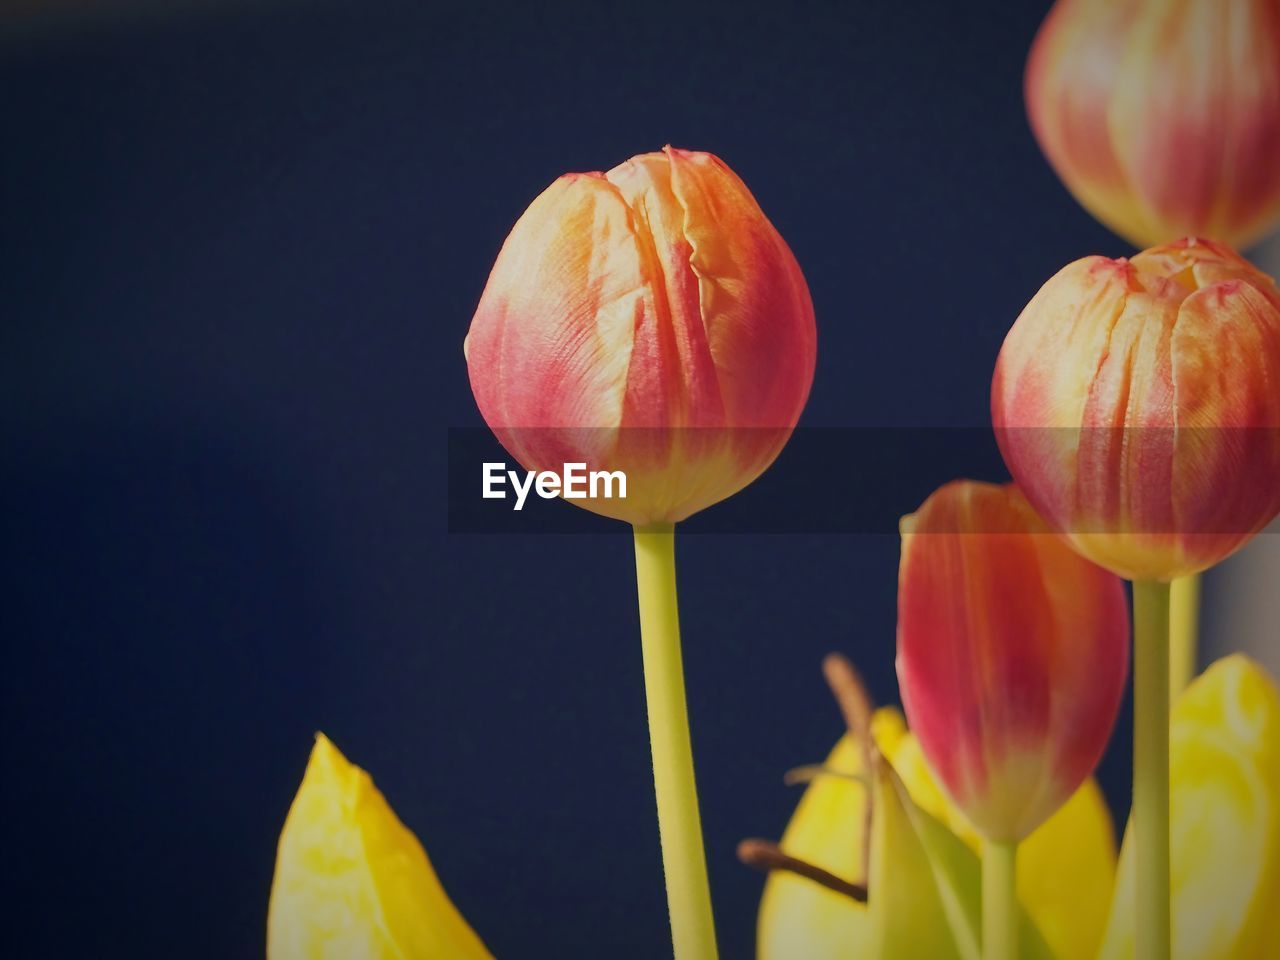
x=798 y=918
x=352 y=883
x=1225 y=810
x=1066 y=868
x=926 y=886
x=1066 y=873
x=902 y=750
x=914 y=912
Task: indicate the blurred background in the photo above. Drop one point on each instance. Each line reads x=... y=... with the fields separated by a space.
x=241 y=245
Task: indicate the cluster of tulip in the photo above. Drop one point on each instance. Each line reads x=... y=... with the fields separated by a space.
x=652 y=320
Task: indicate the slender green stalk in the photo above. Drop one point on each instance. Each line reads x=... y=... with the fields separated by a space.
x=1151 y=767
x=684 y=864
x=1184 y=630
x=999 y=901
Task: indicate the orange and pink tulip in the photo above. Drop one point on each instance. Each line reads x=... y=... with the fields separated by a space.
x=650 y=320
x=1136 y=403
x=1163 y=116
x=1012 y=655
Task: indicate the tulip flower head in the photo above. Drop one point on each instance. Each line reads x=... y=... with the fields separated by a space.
x=650 y=320
x=1163 y=116
x=1136 y=402
x=1012 y=655
x=846 y=882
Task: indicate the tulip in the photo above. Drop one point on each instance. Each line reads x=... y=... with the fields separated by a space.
x=1135 y=402
x=649 y=320
x=1225 y=798
x=1012 y=658
x=1012 y=655
x=351 y=881
x=1162 y=117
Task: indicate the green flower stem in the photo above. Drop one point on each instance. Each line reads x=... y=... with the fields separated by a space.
x=693 y=932
x=999 y=901
x=1151 y=767
x=1184 y=624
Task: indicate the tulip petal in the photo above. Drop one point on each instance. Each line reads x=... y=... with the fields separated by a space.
x=1038 y=406
x=352 y=882
x=754 y=300
x=1066 y=874
x=909 y=916
x=671 y=364
x=799 y=918
x=1225 y=811
x=570 y=369
x=1229 y=424
x=1068 y=107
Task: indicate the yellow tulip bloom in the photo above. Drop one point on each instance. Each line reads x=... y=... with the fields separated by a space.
x=1065 y=868
x=1225 y=812
x=799 y=918
x=352 y=883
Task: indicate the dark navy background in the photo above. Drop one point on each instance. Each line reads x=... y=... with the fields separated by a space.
x=240 y=250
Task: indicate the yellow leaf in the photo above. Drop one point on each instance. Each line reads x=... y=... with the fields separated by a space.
x=352 y=883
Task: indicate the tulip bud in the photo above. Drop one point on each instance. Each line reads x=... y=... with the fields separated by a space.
x=649 y=320
x=351 y=881
x=1163 y=118
x=1012 y=655
x=1136 y=404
